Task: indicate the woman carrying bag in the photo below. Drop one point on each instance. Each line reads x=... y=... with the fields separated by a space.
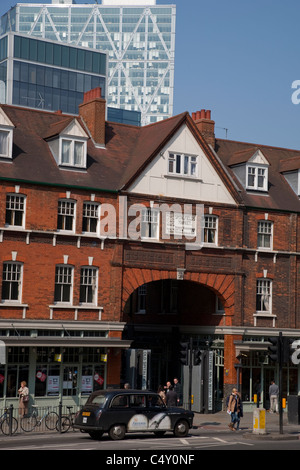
x=23 y=399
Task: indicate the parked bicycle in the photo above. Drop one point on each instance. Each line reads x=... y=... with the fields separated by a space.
x=28 y=423
x=5 y=420
x=66 y=421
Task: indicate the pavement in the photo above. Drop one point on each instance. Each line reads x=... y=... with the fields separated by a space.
x=220 y=421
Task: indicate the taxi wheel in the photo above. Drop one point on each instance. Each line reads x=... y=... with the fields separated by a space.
x=181 y=428
x=117 y=432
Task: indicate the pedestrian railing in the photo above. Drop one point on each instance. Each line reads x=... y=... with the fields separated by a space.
x=42 y=419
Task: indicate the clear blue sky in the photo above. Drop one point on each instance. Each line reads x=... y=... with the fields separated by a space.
x=239 y=59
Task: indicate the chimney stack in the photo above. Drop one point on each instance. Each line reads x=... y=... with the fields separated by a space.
x=205 y=125
x=92 y=111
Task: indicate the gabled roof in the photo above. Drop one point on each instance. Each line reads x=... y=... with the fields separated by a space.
x=129 y=149
x=280 y=195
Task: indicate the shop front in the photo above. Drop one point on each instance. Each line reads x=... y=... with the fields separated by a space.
x=62 y=364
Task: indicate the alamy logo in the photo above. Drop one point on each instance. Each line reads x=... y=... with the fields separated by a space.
x=154 y=222
x=295 y=357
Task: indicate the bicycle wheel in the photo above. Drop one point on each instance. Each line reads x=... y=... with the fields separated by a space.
x=51 y=420
x=5 y=426
x=28 y=423
x=65 y=424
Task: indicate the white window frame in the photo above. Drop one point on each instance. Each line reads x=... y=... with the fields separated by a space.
x=91 y=211
x=255 y=171
x=6 y=150
x=150 y=224
x=211 y=225
x=264 y=296
x=15 y=202
x=89 y=280
x=14 y=275
x=65 y=215
x=63 y=274
x=71 y=160
x=264 y=233
x=183 y=165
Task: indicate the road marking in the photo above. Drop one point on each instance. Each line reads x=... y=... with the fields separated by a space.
x=184 y=441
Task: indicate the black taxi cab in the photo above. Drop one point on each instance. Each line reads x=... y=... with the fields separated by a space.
x=118 y=412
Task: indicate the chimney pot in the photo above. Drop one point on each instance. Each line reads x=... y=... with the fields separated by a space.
x=92 y=111
x=205 y=125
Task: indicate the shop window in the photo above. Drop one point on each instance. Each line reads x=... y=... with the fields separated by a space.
x=70 y=378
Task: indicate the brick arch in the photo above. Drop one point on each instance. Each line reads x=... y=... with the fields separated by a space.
x=222 y=284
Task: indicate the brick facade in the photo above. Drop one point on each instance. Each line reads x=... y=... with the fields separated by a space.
x=230 y=271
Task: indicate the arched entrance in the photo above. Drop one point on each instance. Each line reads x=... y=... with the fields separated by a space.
x=161 y=310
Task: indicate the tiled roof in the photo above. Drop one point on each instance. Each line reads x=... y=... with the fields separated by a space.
x=280 y=195
x=129 y=149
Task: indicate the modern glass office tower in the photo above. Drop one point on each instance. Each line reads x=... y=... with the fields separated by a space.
x=48 y=75
x=139 y=37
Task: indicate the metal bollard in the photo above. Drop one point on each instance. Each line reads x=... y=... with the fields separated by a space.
x=59 y=416
x=10 y=416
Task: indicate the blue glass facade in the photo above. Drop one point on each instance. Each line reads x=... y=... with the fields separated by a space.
x=139 y=40
x=48 y=76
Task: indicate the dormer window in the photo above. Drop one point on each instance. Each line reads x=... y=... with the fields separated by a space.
x=73 y=153
x=6 y=136
x=257 y=178
x=68 y=144
x=4 y=140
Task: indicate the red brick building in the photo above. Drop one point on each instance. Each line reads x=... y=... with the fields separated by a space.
x=118 y=242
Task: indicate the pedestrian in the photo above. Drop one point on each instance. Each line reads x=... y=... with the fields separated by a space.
x=257 y=390
x=127 y=386
x=162 y=393
x=273 y=393
x=235 y=409
x=23 y=399
x=178 y=390
x=168 y=386
x=171 y=397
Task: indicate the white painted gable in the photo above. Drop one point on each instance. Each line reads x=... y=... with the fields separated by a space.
x=258 y=158
x=4 y=120
x=207 y=186
x=74 y=129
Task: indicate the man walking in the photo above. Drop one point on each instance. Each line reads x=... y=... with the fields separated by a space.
x=273 y=393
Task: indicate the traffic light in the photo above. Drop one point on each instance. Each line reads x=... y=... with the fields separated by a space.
x=184 y=353
x=274 y=350
x=286 y=353
x=197 y=357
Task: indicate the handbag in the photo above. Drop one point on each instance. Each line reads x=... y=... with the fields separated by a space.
x=25 y=398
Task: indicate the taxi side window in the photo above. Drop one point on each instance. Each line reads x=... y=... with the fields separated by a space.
x=137 y=401
x=120 y=401
x=155 y=401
